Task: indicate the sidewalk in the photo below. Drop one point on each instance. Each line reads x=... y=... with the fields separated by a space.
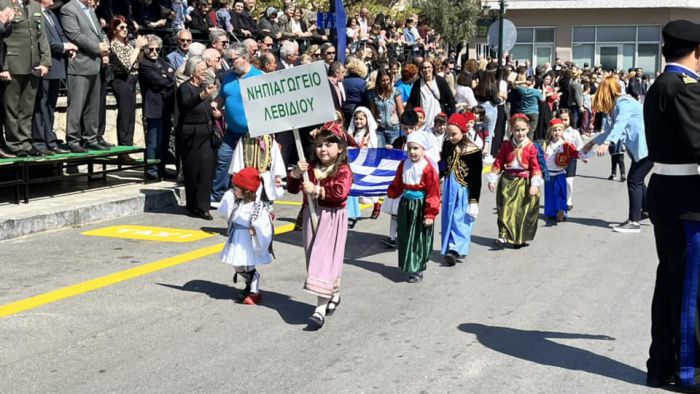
x=74 y=202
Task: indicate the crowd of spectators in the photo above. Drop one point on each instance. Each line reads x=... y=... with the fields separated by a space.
x=192 y=87
x=123 y=47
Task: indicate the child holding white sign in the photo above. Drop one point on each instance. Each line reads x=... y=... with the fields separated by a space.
x=330 y=179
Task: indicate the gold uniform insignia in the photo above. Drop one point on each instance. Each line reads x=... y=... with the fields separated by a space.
x=688 y=80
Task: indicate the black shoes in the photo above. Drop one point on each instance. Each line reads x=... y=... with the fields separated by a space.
x=316 y=321
x=6 y=155
x=415 y=278
x=658 y=381
x=104 y=142
x=78 y=149
x=96 y=146
x=332 y=306
x=450 y=259
x=200 y=214
x=57 y=150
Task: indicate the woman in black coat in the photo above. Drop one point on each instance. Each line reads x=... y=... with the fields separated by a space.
x=432 y=93
x=193 y=134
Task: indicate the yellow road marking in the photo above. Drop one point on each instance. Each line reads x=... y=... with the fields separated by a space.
x=147 y=233
x=287 y=202
x=111 y=279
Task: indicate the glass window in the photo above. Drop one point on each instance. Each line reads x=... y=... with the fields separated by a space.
x=648 y=33
x=543 y=54
x=617 y=33
x=521 y=52
x=609 y=58
x=627 y=56
x=648 y=57
x=524 y=35
x=583 y=53
x=584 y=34
x=544 y=35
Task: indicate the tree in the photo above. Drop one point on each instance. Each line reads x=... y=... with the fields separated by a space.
x=455 y=20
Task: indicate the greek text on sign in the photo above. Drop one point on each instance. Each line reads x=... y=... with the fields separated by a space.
x=159 y=234
x=287 y=99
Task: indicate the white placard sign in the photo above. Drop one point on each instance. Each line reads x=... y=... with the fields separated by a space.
x=287 y=99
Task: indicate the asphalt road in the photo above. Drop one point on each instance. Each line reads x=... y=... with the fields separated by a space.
x=569 y=313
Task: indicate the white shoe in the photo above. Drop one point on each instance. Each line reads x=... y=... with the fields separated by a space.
x=215 y=204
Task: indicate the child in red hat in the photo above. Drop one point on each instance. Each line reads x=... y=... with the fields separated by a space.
x=460 y=166
x=250 y=232
x=558 y=153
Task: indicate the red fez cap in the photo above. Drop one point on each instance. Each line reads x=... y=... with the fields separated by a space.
x=248 y=179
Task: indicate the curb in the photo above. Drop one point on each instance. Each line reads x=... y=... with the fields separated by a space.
x=148 y=200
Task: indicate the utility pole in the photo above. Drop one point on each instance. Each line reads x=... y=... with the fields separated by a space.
x=501 y=11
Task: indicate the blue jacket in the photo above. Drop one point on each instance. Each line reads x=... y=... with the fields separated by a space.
x=626 y=124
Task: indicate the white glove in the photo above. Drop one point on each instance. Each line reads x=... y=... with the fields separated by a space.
x=473 y=210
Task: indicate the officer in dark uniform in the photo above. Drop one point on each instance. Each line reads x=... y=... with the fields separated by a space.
x=672 y=124
x=27 y=59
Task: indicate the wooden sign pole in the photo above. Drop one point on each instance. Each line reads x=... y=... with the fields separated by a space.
x=309 y=199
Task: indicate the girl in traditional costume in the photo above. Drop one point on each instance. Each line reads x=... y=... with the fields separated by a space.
x=558 y=153
x=409 y=124
x=517 y=193
x=417 y=184
x=262 y=153
x=460 y=165
x=250 y=232
x=330 y=179
x=363 y=129
x=574 y=137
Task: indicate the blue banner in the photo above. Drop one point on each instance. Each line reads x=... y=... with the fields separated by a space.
x=340 y=21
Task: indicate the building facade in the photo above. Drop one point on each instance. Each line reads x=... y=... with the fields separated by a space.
x=603 y=33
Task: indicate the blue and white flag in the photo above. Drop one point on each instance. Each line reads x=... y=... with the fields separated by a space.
x=374 y=169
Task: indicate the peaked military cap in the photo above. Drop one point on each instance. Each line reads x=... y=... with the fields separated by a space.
x=682 y=30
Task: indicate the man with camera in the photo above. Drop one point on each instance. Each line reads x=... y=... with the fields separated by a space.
x=27 y=59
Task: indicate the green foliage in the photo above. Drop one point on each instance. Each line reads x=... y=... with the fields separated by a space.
x=455 y=20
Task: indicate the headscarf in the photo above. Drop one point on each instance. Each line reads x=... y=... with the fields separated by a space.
x=421 y=138
x=371 y=137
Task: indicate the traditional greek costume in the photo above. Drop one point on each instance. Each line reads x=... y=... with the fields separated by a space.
x=418 y=186
x=557 y=155
x=517 y=210
x=325 y=247
x=461 y=170
x=264 y=154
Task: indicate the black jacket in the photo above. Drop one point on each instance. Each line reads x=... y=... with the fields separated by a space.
x=157 y=82
x=447 y=99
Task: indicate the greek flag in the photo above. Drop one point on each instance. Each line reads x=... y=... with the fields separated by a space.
x=374 y=169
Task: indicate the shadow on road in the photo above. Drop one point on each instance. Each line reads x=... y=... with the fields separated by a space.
x=215 y=230
x=590 y=222
x=291 y=311
x=392 y=273
x=604 y=178
x=484 y=241
x=537 y=347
